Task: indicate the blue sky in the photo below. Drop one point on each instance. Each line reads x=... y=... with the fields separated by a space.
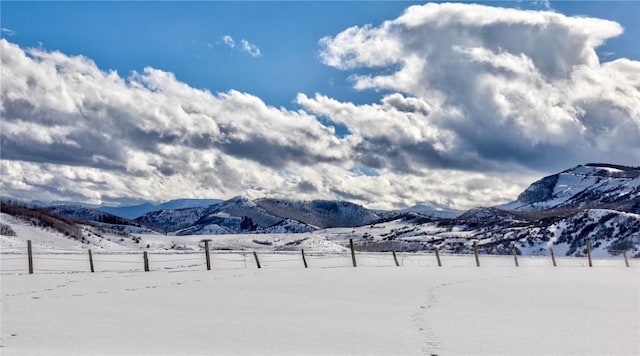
x=186 y=38
x=383 y=103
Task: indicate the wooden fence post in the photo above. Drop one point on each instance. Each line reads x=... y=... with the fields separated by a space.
x=146 y=261
x=475 y=251
x=438 y=257
x=304 y=260
x=30 y=256
x=91 y=260
x=206 y=253
x=589 y=253
x=626 y=261
x=515 y=257
x=255 y=255
x=353 y=254
x=553 y=257
x=395 y=258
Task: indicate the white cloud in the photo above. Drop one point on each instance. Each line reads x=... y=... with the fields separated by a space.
x=245 y=46
x=228 y=40
x=504 y=87
x=62 y=113
x=477 y=102
x=8 y=31
x=250 y=48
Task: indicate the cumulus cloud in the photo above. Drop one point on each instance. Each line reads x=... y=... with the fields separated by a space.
x=524 y=88
x=63 y=111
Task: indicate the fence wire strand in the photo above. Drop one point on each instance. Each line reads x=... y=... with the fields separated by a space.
x=66 y=260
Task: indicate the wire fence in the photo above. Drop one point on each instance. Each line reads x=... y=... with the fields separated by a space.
x=54 y=260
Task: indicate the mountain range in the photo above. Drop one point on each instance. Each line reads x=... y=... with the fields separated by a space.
x=599 y=203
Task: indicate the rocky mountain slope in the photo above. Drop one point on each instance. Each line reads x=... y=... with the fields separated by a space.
x=588 y=186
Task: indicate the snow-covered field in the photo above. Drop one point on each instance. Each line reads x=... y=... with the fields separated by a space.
x=330 y=308
x=180 y=308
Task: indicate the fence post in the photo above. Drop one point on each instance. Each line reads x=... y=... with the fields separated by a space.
x=255 y=255
x=626 y=261
x=30 y=256
x=395 y=258
x=589 y=253
x=91 y=260
x=438 y=257
x=206 y=253
x=475 y=251
x=353 y=254
x=146 y=261
x=553 y=257
x=515 y=257
x=304 y=260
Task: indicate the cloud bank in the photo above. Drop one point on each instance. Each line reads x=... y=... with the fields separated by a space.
x=475 y=86
x=476 y=102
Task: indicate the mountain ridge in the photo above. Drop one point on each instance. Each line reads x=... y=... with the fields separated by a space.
x=599 y=203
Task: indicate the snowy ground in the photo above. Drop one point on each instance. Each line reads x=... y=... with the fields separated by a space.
x=329 y=308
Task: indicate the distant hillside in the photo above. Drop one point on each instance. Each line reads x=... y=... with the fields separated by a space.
x=599 y=203
x=237 y=215
x=320 y=213
x=132 y=212
x=97 y=218
x=83 y=231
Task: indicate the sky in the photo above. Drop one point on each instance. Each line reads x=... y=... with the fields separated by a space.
x=385 y=104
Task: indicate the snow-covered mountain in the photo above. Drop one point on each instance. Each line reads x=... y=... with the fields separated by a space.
x=599 y=203
x=433 y=210
x=237 y=215
x=320 y=213
x=132 y=212
x=587 y=186
x=498 y=231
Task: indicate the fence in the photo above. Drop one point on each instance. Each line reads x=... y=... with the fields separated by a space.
x=51 y=260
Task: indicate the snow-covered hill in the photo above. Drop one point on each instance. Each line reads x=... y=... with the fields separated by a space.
x=132 y=212
x=237 y=215
x=588 y=186
x=44 y=237
x=320 y=213
x=610 y=232
x=599 y=203
x=97 y=217
x=433 y=210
